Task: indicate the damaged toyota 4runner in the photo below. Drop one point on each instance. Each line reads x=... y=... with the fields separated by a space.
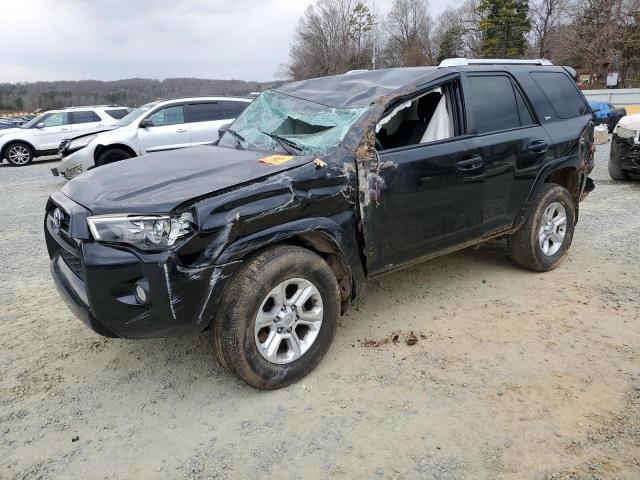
x=319 y=185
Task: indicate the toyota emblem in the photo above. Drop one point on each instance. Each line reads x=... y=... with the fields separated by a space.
x=57 y=219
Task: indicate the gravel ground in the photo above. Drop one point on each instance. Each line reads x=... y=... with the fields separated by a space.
x=463 y=367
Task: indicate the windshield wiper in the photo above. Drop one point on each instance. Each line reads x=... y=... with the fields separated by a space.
x=237 y=137
x=289 y=145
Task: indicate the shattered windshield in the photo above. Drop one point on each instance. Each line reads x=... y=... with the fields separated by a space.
x=279 y=122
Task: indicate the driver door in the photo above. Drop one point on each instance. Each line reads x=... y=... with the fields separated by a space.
x=423 y=193
x=51 y=131
x=166 y=130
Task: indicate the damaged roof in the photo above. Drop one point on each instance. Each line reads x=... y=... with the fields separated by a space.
x=356 y=89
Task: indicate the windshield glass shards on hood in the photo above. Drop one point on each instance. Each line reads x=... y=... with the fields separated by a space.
x=279 y=122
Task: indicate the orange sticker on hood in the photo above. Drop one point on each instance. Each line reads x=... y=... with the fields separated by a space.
x=276 y=159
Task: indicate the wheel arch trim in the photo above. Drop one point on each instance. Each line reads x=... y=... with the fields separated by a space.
x=320 y=235
x=3 y=152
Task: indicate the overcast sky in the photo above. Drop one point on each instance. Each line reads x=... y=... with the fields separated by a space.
x=114 y=39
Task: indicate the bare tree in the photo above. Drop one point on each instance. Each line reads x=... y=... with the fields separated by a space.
x=408 y=28
x=333 y=36
x=601 y=37
x=546 y=17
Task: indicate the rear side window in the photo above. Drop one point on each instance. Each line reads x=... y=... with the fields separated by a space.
x=493 y=103
x=168 y=116
x=84 y=117
x=233 y=109
x=561 y=93
x=204 y=112
x=117 y=113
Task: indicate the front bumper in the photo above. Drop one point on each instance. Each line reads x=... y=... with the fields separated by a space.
x=625 y=154
x=98 y=282
x=74 y=164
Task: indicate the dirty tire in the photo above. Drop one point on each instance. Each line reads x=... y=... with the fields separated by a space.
x=524 y=246
x=19 y=154
x=616 y=173
x=233 y=327
x=112 y=155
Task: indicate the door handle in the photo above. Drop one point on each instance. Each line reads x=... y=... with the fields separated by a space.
x=539 y=146
x=64 y=129
x=471 y=163
x=181 y=130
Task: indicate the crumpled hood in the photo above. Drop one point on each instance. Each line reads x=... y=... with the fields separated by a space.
x=159 y=182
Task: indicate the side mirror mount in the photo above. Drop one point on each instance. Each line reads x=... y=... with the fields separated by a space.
x=40 y=125
x=223 y=129
x=145 y=123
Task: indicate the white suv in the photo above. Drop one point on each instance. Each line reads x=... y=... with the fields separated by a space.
x=156 y=126
x=42 y=135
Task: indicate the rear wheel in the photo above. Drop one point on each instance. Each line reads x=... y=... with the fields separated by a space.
x=544 y=239
x=277 y=317
x=19 y=154
x=112 y=155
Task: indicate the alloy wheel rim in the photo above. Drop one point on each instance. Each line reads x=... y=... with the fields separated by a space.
x=288 y=321
x=553 y=229
x=19 y=155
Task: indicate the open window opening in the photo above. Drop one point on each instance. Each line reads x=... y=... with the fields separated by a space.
x=423 y=119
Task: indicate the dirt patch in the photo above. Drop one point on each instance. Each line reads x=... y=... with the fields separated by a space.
x=396 y=338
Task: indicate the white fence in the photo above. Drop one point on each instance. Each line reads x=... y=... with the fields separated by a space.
x=619 y=97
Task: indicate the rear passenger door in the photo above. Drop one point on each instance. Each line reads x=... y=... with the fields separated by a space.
x=204 y=120
x=509 y=140
x=168 y=130
x=84 y=120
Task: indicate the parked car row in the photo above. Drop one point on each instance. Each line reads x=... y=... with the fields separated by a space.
x=154 y=127
x=267 y=236
x=42 y=135
x=15 y=121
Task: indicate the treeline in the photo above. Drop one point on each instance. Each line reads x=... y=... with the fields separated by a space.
x=593 y=36
x=131 y=92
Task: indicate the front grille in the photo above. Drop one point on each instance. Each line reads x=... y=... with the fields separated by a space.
x=74 y=263
x=63 y=145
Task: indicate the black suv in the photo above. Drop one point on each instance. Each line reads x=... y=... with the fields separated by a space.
x=319 y=185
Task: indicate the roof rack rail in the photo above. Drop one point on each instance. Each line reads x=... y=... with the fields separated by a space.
x=458 y=62
x=87 y=106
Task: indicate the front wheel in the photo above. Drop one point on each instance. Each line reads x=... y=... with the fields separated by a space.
x=112 y=155
x=277 y=317
x=19 y=154
x=544 y=239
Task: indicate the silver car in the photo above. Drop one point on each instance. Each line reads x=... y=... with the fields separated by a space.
x=154 y=127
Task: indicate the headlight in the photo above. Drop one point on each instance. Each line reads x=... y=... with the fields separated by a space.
x=149 y=232
x=80 y=142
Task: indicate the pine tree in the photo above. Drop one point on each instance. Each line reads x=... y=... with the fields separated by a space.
x=504 y=26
